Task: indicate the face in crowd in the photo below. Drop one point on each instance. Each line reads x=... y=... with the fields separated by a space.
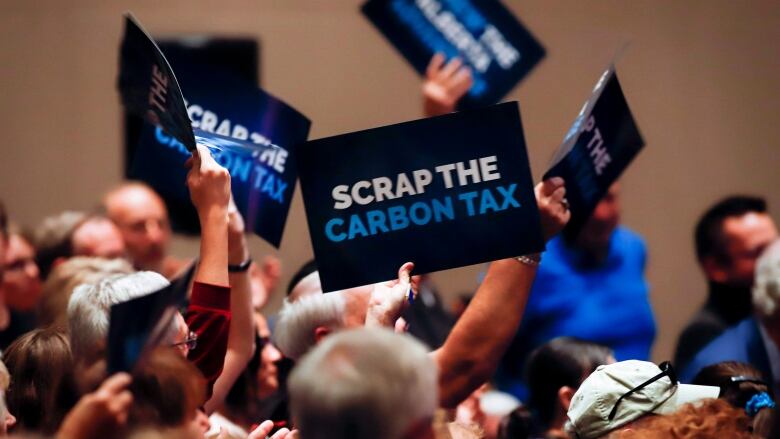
x=21 y=283
x=98 y=237
x=745 y=237
x=597 y=231
x=143 y=222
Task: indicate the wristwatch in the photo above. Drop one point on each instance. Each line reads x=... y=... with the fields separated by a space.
x=240 y=268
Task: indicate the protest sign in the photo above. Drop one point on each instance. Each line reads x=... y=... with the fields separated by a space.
x=137 y=325
x=442 y=192
x=600 y=145
x=484 y=34
x=249 y=132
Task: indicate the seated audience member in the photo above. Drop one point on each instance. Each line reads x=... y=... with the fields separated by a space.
x=617 y=395
x=21 y=287
x=477 y=341
x=43 y=388
x=444 y=85
x=554 y=372
x=593 y=288
x=100 y=414
x=142 y=219
x=69 y=234
x=340 y=388
x=743 y=386
x=709 y=419
x=729 y=238
x=754 y=340
x=53 y=306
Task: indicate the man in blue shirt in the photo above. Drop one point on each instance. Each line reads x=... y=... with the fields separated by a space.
x=593 y=288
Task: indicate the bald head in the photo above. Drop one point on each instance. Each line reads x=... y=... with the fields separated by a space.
x=143 y=222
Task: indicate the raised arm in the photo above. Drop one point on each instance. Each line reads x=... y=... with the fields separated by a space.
x=240 y=344
x=480 y=337
x=444 y=85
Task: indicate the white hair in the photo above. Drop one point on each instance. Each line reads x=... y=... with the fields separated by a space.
x=766 y=288
x=89 y=306
x=365 y=383
x=294 y=329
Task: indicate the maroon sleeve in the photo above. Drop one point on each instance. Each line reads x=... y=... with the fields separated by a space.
x=208 y=316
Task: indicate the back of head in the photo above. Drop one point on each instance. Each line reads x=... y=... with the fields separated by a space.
x=167 y=391
x=53 y=238
x=42 y=390
x=366 y=383
x=295 y=328
x=304 y=282
x=766 y=289
x=89 y=308
x=713 y=418
x=563 y=361
x=52 y=308
x=708 y=236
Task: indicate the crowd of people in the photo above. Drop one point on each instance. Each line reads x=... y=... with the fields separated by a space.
x=551 y=345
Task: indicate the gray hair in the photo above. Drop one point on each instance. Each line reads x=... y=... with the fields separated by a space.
x=363 y=383
x=766 y=289
x=294 y=329
x=89 y=306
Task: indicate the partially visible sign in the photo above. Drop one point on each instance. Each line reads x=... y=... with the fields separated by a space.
x=489 y=39
x=442 y=192
x=597 y=149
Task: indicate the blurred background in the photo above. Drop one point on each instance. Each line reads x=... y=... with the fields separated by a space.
x=701 y=78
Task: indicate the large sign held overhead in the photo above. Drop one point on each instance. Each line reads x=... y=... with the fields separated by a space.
x=600 y=145
x=249 y=132
x=443 y=192
x=489 y=39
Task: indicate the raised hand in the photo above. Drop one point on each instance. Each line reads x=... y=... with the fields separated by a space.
x=389 y=299
x=553 y=207
x=444 y=85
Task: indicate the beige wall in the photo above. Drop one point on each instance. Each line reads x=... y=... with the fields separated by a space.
x=700 y=76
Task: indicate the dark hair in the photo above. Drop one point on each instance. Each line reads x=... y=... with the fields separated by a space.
x=516 y=425
x=708 y=234
x=3 y=220
x=305 y=270
x=563 y=361
x=42 y=384
x=738 y=383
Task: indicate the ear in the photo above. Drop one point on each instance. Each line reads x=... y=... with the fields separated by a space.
x=565 y=394
x=321 y=332
x=714 y=270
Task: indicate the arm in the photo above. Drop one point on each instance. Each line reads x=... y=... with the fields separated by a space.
x=444 y=85
x=480 y=337
x=241 y=341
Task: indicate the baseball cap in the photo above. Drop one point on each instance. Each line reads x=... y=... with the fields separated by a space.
x=591 y=410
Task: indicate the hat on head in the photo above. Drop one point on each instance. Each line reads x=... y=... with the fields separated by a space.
x=592 y=405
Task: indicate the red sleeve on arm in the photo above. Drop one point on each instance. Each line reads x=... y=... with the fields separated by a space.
x=208 y=316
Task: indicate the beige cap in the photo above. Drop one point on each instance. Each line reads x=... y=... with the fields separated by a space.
x=590 y=407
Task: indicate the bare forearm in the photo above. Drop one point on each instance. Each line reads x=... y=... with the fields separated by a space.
x=479 y=339
x=212 y=268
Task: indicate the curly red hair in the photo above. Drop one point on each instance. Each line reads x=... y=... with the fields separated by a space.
x=709 y=419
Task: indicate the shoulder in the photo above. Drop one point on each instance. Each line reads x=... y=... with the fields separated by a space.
x=627 y=238
x=731 y=345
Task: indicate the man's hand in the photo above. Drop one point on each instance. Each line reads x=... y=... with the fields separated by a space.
x=444 y=86
x=389 y=299
x=263 y=430
x=553 y=209
x=209 y=183
x=99 y=414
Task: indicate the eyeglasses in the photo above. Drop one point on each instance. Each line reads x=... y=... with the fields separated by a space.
x=190 y=343
x=666 y=370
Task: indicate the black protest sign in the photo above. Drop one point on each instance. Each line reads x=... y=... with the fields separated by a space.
x=442 y=192
x=600 y=145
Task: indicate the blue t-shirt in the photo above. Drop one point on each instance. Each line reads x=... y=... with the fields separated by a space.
x=606 y=303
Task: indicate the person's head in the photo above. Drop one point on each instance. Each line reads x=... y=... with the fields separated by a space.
x=554 y=372
x=21 y=283
x=97 y=236
x=618 y=394
x=53 y=242
x=596 y=232
x=89 y=309
x=744 y=387
x=42 y=389
x=712 y=418
x=7 y=419
x=303 y=323
x=730 y=237
x=142 y=218
x=52 y=308
x=167 y=391
x=766 y=291
x=305 y=282
x=365 y=383
x=267 y=373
